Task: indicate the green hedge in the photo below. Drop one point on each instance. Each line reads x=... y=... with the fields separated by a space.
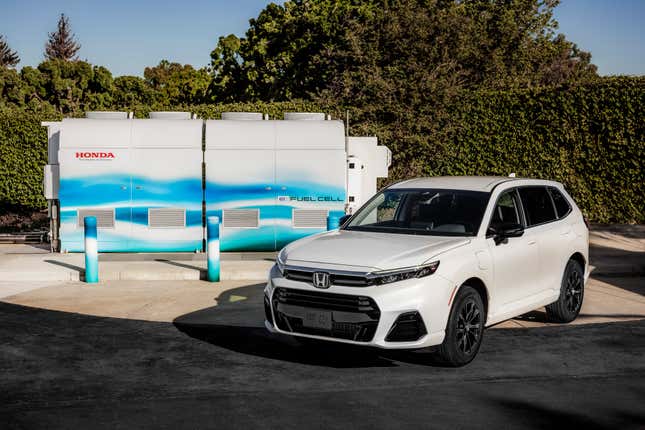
x=275 y=110
x=23 y=153
x=589 y=137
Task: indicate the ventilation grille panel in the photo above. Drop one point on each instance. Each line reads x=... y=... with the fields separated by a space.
x=241 y=218
x=309 y=218
x=166 y=218
x=104 y=217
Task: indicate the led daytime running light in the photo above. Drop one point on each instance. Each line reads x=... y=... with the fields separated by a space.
x=390 y=276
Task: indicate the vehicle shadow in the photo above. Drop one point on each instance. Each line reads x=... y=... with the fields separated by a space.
x=618 y=267
x=540 y=316
x=237 y=324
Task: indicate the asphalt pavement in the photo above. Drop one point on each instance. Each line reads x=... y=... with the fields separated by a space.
x=218 y=368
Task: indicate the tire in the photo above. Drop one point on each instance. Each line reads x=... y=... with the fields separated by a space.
x=572 y=290
x=465 y=329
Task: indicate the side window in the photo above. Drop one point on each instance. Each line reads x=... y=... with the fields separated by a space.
x=562 y=206
x=538 y=207
x=506 y=210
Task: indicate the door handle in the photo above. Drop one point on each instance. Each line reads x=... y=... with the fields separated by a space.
x=138 y=187
x=267 y=188
x=283 y=188
x=532 y=242
x=123 y=187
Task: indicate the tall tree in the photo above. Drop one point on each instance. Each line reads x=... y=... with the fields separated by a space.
x=395 y=48
x=175 y=83
x=62 y=44
x=8 y=57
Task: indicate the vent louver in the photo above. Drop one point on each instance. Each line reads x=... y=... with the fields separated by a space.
x=309 y=218
x=241 y=218
x=166 y=218
x=104 y=217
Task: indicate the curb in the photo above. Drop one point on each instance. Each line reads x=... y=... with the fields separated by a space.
x=75 y=276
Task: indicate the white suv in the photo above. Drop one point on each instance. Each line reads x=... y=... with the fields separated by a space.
x=433 y=261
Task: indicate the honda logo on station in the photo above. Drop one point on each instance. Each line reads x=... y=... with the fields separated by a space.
x=95 y=155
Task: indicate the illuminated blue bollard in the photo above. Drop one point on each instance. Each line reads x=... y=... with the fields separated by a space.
x=212 y=248
x=333 y=222
x=91 y=251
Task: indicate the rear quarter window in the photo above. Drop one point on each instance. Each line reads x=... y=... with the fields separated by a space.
x=538 y=207
x=562 y=206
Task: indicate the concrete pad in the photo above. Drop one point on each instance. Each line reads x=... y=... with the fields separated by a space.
x=11 y=288
x=23 y=248
x=140 y=300
x=70 y=267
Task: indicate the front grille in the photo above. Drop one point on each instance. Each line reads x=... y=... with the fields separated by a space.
x=352 y=317
x=334 y=278
x=408 y=327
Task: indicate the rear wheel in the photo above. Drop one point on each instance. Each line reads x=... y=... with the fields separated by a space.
x=572 y=290
x=465 y=329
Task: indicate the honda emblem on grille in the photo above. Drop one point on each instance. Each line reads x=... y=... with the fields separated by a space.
x=321 y=279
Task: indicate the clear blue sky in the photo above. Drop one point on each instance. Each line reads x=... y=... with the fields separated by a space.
x=127 y=35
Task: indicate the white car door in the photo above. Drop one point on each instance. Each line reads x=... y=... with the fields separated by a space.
x=515 y=261
x=551 y=235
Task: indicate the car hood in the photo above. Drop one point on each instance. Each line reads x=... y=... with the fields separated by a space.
x=367 y=250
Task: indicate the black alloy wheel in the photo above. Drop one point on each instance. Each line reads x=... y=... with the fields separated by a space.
x=572 y=291
x=469 y=327
x=465 y=328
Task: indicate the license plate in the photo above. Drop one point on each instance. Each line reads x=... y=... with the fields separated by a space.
x=317 y=319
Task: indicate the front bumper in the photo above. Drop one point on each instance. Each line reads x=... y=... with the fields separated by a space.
x=368 y=315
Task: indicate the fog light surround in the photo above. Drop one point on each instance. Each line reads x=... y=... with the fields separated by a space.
x=408 y=327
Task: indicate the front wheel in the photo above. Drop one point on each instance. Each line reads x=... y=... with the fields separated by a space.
x=465 y=329
x=572 y=291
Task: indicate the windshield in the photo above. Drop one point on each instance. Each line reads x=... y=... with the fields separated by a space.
x=429 y=211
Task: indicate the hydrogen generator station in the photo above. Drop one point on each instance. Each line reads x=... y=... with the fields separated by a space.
x=151 y=183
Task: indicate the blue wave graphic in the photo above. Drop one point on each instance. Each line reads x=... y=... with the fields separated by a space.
x=106 y=191
x=217 y=192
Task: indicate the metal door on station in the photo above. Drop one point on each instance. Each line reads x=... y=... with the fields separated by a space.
x=166 y=200
x=240 y=189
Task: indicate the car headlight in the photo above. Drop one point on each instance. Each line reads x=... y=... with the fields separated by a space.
x=396 y=275
x=280 y=262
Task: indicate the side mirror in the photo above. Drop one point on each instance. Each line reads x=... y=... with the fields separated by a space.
x=502 y=232
x=342 y=220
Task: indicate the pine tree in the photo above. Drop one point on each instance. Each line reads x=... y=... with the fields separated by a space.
x=8 y=57
x=61 y=44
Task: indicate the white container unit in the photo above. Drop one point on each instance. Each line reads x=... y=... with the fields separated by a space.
x=269 y=181
x=140 y=178
x=366 y=162
x=272 y=182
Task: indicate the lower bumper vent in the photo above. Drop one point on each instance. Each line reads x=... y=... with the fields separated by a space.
x=267 y=310
x=408 y=327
